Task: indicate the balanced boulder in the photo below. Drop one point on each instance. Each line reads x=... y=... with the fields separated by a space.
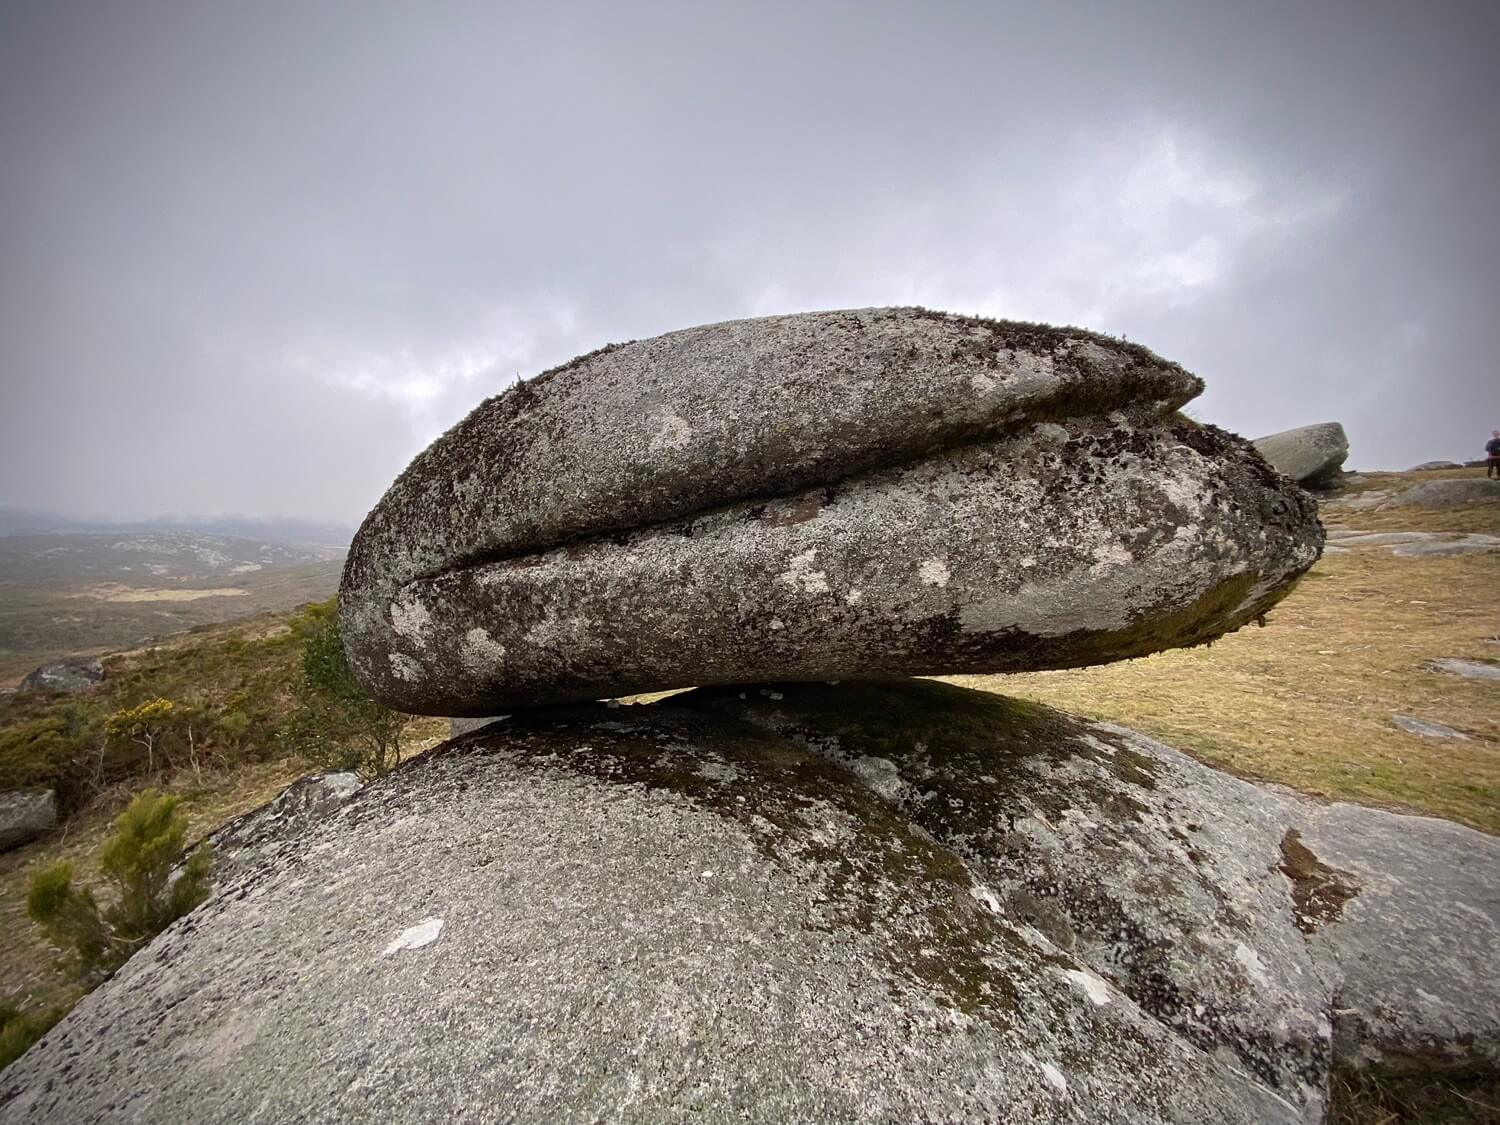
x=864 y=494
x=1311 y=455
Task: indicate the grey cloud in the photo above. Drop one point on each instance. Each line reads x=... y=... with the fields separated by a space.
x=256 y=255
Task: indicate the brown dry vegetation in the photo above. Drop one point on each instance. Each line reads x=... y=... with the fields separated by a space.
x=1307 y=700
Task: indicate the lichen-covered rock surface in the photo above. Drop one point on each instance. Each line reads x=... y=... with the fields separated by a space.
x=70 y=675
x=833 y=903
x=874 y=493
x=1313 y=455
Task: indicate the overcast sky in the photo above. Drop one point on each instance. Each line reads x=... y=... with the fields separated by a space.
x=254 y=256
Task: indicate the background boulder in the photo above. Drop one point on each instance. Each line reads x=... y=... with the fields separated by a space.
x=1311 y=455
x=71 y=674
x=25 y=814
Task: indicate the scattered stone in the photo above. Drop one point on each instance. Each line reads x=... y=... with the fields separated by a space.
x=71 y=674
x=1311 y=455
x=1358 y=502
x=773 y=475
x=25 y=814
x=1451 y=493
x=1432 y=466
x=1426 y=727
x=254 y=839
x=1413 y=544
x=1469 y=669
x=898 y=902
x=1384 y=538
x=1472 y=544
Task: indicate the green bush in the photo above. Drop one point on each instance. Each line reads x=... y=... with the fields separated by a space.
x=19 y=1030
x=138 y=862
x=335 y=724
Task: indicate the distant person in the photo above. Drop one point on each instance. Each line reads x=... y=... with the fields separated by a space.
x=1492 y=455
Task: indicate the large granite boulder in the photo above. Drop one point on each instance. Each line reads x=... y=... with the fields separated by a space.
x=870 y=494
x=25 y=814
x=69 y=675
x=800 y=902
x=1311 y=455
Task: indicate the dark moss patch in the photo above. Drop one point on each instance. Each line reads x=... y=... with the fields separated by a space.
x=1319 y=892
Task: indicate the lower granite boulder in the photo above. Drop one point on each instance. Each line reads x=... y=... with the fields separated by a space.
x=880 y=903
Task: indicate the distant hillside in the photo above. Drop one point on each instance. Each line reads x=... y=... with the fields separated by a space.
x=272 y=529
x=71 y=592
x=146 y=556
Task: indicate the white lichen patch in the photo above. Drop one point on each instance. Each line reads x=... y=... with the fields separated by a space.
x=672 y=432
x=1250 y=961
x=934 y=572
x=1093 y=987
x=716 y=770
x=985 y=897
x=405 y=668
x=1055 y=1078
x=1107 y=556
x=880 y=774
x=481 y=652
x=982 y=383
x=800 y=574
x=853 y=597
x=424 y=933
x=410 y=618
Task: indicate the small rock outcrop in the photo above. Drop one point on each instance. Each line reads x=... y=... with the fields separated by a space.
x=1433 y=466
x=800 y=902
x=1468 y=669
x=71 y=674
x=1311 y=455
x=866 y=494
x=25 y=814
x=1458 y=493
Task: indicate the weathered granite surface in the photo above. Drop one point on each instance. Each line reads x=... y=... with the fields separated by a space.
x=871 y=494
x=816 y=902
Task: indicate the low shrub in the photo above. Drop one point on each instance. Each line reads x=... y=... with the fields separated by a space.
x=335 y=724
x=138 y=862
x=19 y=1030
